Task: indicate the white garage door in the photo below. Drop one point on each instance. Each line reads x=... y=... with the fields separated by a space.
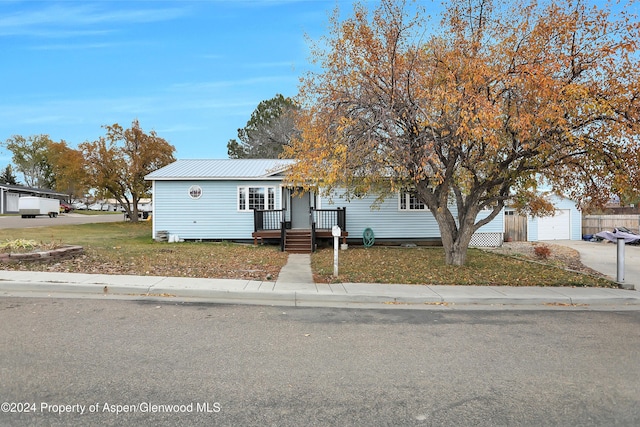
x=556 y=227
x=12 y=202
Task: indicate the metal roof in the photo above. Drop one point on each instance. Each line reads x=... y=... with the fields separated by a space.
x=220 y=169
x=31 y=190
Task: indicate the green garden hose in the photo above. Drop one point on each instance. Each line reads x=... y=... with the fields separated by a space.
x=368 y=238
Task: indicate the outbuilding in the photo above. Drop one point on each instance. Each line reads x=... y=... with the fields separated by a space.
x=565 y=224
x=9 y=195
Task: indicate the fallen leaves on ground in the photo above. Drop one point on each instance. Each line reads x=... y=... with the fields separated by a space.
x=137 y=254
x=426 y=265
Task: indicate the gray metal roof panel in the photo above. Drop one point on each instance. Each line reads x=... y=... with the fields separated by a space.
x=215 y=169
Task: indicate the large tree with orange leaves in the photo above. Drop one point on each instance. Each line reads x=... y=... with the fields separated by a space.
x=473 y=112
x=68 y=169
x=118 y=163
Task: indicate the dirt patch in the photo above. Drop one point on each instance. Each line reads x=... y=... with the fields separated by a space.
x=559 y=256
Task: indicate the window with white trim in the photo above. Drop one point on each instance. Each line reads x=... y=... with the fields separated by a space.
x=408 y=201
x=261 y=198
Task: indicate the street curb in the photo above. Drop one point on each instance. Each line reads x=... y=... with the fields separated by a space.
x=82 y=288
x=306 y=299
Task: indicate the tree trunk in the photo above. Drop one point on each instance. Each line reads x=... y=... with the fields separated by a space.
x=134 y=213
x=134 y=209
x=455 y=239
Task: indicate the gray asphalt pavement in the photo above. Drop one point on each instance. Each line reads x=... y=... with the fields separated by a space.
x=13 y=221
x=285 y=367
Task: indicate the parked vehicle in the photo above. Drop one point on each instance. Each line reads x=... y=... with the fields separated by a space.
x=79 y=205
x=145 y=207
x=31 y=206
x=65 y=207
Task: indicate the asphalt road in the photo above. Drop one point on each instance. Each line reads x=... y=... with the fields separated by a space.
x=257 y=366
x=15 y=221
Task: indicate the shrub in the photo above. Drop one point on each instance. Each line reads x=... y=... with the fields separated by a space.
x=542 y=251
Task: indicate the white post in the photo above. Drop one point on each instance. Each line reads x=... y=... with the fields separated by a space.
x=335 y=232
x=620 y=275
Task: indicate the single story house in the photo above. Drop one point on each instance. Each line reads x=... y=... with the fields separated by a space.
x=245 y=199
x=9 y=195
x=566 y=224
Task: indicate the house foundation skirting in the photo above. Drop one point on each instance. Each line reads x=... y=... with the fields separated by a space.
x=483 y=240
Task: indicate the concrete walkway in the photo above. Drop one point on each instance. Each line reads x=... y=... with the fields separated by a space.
x=295 y=287
x=296 y=275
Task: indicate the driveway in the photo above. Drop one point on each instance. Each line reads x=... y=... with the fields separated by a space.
x=62 y=219
x=602 y=257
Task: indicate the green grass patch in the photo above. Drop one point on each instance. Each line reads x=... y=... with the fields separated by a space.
x=89 y=213
x=427 y=266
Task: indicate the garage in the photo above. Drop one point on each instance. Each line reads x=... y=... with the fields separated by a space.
x=557 y=227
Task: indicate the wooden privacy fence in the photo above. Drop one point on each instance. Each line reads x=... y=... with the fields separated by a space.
x=515 y=227
x=592 y=224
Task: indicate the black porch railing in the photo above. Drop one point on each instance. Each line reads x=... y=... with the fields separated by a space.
x=268 y=219
x=321 y=219
x=325 y=219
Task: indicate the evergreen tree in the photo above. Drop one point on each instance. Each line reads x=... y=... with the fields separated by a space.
x=7 y=176
x=269 y=129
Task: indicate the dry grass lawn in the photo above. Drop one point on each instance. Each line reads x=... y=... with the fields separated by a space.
x=127 y=248
x=425 y=265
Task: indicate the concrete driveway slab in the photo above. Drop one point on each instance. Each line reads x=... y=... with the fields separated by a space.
x=602 y=257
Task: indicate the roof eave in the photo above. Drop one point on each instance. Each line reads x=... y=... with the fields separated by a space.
x=207 y=178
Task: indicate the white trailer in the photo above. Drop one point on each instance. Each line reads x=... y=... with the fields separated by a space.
x=30 y=206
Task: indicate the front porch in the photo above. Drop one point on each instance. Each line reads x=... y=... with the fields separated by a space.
x=276 y=224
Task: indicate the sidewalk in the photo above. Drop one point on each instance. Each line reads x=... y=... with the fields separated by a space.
x=295 y=287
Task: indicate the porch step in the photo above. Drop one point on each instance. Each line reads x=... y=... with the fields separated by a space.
x=297 y=241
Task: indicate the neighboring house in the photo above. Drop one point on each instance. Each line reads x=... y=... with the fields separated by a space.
x=245 y=199
x=9 y=195
x=566 y=224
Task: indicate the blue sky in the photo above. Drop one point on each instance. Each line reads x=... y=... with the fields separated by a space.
x=193 y=71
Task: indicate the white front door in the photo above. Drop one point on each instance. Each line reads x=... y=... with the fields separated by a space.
x=300 y=213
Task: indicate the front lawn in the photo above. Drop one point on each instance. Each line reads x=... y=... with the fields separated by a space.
x=425 y=265
x=127 y=248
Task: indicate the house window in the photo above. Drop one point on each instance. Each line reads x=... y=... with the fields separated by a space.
x=261 y=198
x=408 y=201
x=195 y=191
